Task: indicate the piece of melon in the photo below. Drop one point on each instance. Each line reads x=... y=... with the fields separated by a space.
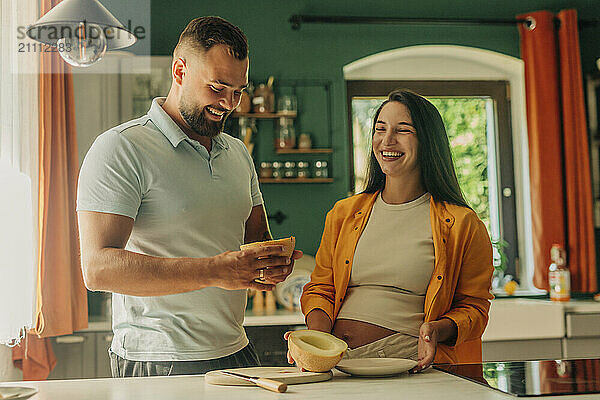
x=288 y=245
x=315 y=351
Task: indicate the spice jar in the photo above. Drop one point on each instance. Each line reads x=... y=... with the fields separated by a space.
x=304 y=141
x=286 y=134
x=266 y=170
x=321 y=169
x=289 y=169
x=287 y=105
x=303 y=171
x=277 y=170
x=263 y=100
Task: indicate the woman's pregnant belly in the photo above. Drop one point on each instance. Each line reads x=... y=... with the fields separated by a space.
x=358 y=333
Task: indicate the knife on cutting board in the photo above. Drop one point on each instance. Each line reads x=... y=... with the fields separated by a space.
x=265 y=383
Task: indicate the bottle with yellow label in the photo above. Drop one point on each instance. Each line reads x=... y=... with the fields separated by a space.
x=558 y=275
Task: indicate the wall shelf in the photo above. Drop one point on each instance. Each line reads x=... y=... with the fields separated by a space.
x=296 y=180
x=304 y=151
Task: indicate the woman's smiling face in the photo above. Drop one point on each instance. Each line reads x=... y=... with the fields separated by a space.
x=395 y=141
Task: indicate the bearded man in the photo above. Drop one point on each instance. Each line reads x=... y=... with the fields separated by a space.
x=164 y=202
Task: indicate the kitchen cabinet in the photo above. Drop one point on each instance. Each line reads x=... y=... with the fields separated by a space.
x=75 y=356
x=269 y=343
x=103 y=341
x=82 y=355
x=521 y=329
x=513 y=350
x=582 y=335
x=534 y=329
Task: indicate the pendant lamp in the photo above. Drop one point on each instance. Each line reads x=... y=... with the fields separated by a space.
x=81 y=30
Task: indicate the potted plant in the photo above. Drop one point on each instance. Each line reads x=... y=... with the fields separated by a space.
x=500 y=279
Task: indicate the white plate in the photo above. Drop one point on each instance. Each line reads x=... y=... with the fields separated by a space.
x=375 y=366
x=17 y=392
x=291 y=288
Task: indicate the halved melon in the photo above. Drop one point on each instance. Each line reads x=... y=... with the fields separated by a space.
x=315 y=351
x=288 y=245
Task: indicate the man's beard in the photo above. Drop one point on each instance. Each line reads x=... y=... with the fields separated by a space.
x=196 y=120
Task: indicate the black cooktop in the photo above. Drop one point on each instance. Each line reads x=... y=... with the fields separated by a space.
x=532 y=378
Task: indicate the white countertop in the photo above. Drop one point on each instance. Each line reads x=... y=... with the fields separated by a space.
x=431 y=384
x=528 y=319
x=582 y=306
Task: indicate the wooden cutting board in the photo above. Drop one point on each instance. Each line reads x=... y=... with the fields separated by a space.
x=289 y=375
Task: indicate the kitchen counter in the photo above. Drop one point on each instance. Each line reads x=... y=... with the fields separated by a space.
x=431 y=384
x=523 y=319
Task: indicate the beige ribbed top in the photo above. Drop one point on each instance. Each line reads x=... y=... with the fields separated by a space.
x=393 y=263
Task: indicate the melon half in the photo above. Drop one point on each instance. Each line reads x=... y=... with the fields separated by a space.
x=315 y=351
x=288 y=245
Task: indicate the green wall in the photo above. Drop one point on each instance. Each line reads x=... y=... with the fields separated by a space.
x=319 y=51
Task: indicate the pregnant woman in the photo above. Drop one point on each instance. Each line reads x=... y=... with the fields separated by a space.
x=404 y=268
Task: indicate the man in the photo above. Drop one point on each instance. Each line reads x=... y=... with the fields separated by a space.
x=163 y=201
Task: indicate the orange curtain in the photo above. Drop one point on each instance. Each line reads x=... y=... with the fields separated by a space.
x=61 y=294
x=580 y=231
x=559 y=164
x=569 y=375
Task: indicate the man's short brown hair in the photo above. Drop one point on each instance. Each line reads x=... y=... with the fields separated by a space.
x=205 y=32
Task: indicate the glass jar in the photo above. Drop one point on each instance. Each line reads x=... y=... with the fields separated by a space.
x=263 y=99
x=266 y=170
x=277 y=170
x=321 y=170
x=304 y=141
x=286 y=134
x=287 y=104
x=289 y=169
x=246 y=128
x=303 y=171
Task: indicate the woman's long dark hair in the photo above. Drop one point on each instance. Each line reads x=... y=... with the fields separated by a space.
x=433 y=154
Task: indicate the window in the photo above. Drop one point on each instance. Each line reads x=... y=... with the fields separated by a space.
x=477 y=119
x=18 y=174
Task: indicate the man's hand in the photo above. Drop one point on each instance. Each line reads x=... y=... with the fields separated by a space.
x=242 y=269
x=276 y=275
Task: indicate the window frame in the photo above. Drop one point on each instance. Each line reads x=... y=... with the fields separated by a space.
x=499 y=92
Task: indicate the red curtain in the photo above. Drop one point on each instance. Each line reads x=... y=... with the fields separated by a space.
x=559 y=163
x=61 y=293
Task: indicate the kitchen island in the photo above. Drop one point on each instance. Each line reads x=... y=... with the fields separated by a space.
x=431 y=384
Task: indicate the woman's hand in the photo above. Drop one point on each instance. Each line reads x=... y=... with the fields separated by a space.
x=431 y=333
x=290 y=360
x=317 y=320
x=427 y=346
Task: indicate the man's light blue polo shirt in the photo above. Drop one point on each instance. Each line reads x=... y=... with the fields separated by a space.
x=186 y=202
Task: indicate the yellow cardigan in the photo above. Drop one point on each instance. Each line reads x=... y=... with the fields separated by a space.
x=460 y=285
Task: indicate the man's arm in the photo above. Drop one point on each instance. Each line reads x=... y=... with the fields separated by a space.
x=257 y=227
x=107 y=266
